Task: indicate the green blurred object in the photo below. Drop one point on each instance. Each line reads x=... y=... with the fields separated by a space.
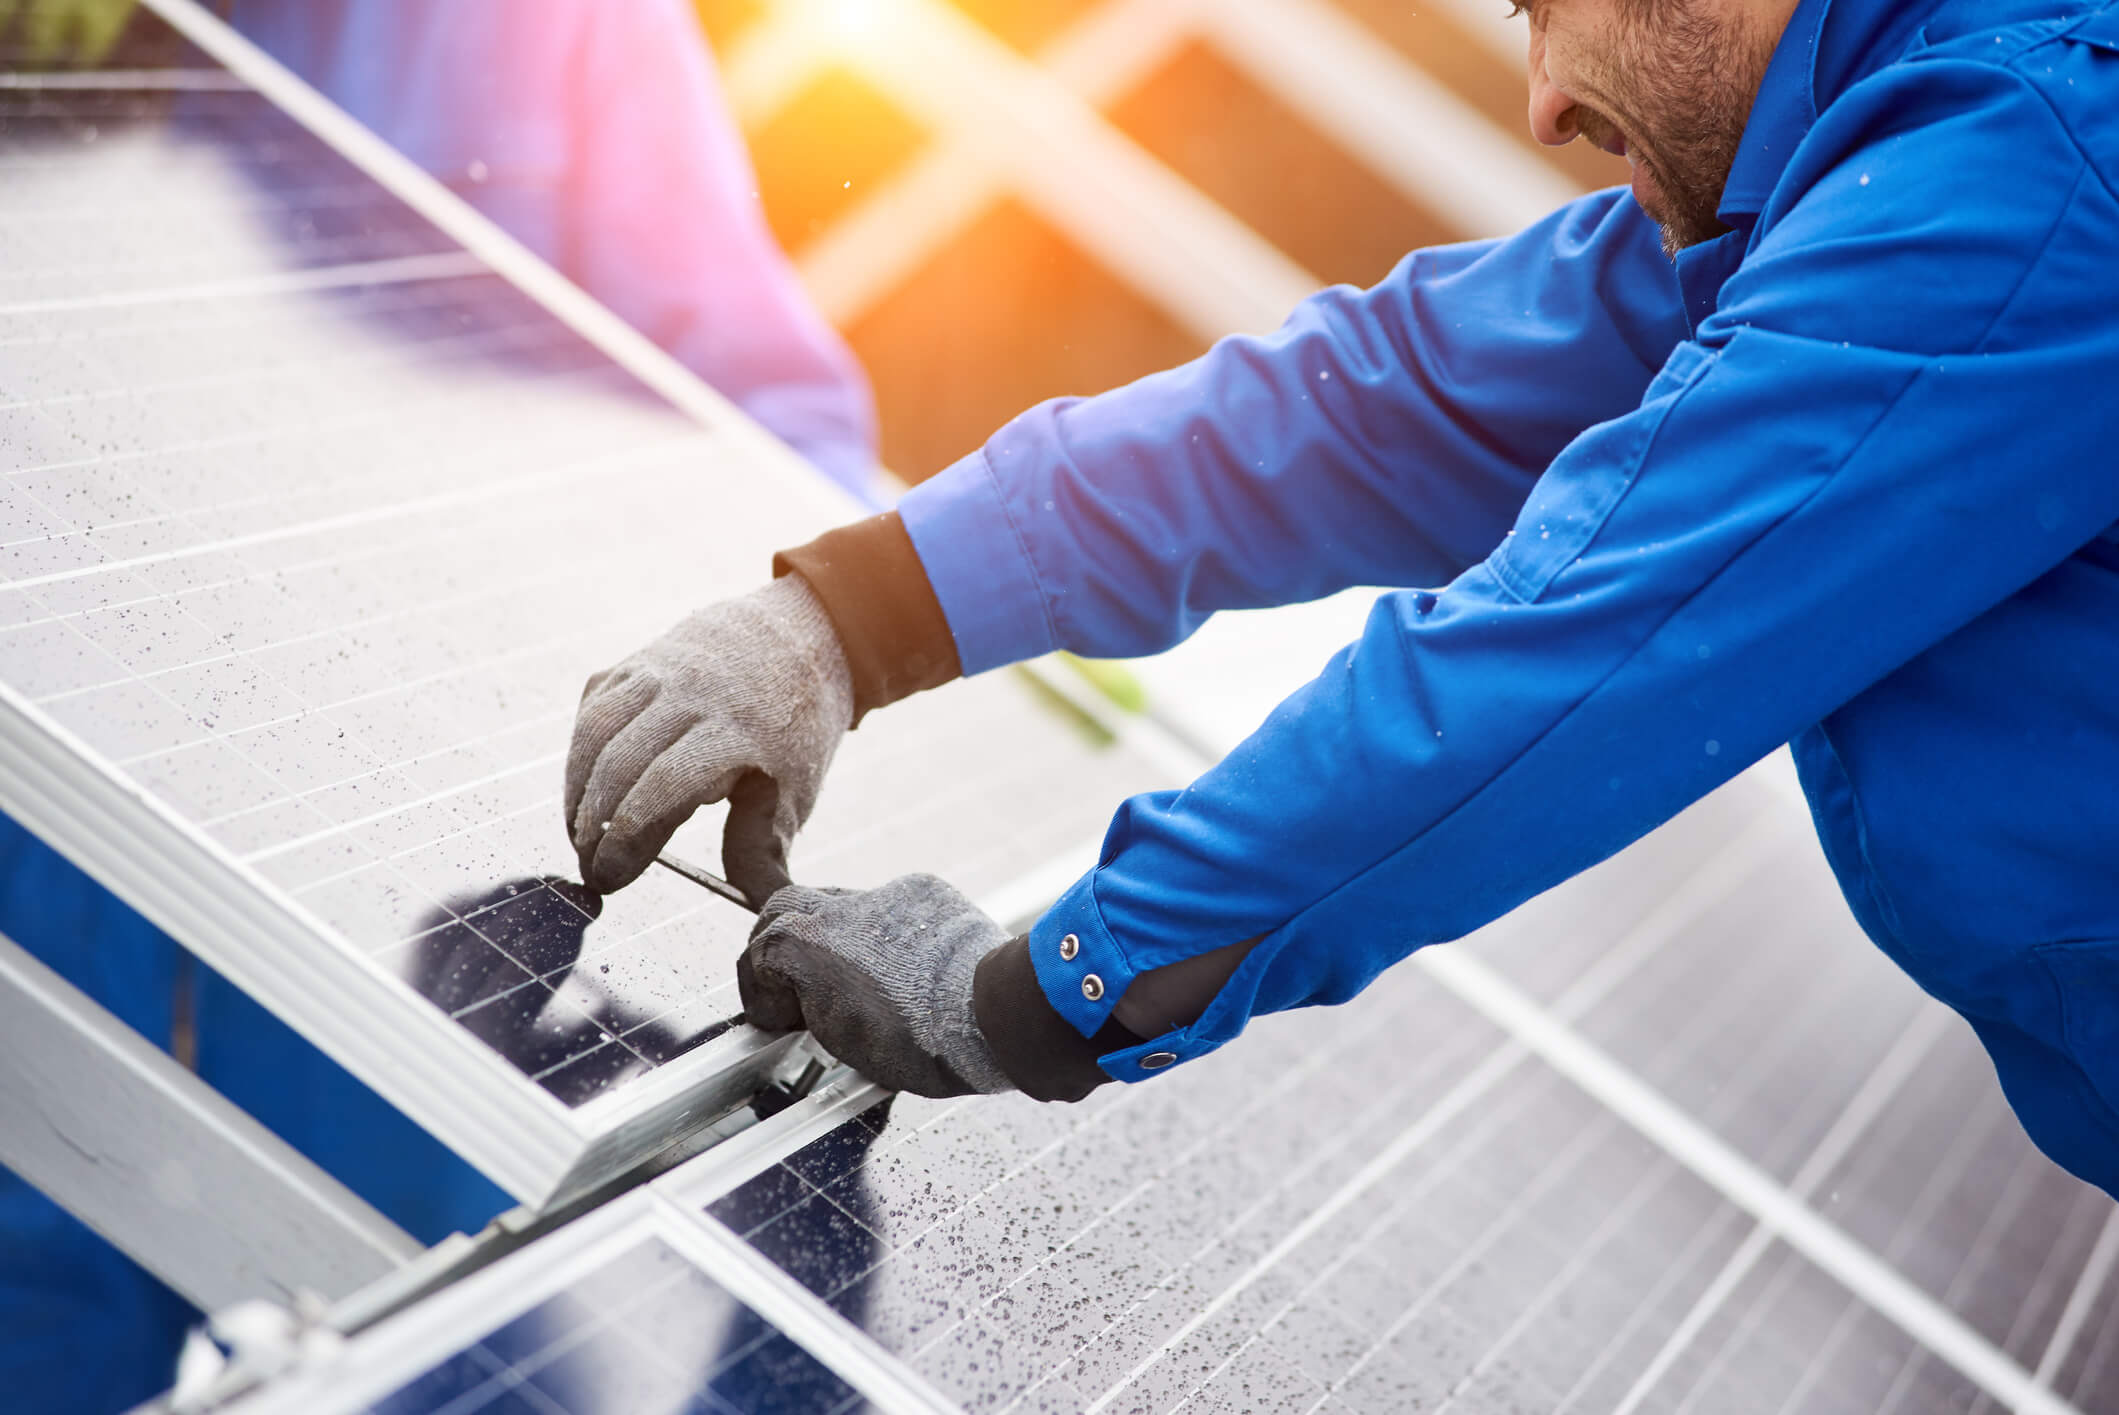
x=50 y=34
x=1113 y=679
x=1091 y=731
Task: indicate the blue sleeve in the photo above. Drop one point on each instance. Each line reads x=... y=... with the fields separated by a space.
x=598 y=136
x=1384 y=436
x=1896 y=419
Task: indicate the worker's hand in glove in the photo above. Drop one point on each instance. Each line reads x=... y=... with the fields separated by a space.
x=882 y=977
x=745 y=701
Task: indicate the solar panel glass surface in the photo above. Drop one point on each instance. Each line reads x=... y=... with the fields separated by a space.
x=647 y=1333
x=1752 y=1000
x=311 y=528
x=1394 y=1206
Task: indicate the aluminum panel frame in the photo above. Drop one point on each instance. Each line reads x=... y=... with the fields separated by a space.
x=370 y=1366
x=162 y=1165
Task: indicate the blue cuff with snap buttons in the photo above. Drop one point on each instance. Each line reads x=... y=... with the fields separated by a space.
x=1078 y=963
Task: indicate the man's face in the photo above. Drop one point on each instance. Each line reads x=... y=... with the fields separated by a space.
x=1666 y=84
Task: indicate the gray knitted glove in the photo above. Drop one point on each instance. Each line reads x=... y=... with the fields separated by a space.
x=882 y=977
x=744 y=700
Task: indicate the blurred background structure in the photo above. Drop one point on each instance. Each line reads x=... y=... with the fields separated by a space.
x=1000 y=201
x=995 y=202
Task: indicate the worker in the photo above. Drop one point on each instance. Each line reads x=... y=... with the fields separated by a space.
x=1804 y=437
x=596 y=135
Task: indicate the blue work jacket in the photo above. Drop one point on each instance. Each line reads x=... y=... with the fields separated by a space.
x=1845 y=475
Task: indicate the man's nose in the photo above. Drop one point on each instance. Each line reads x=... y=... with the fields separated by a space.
x=1552 y=112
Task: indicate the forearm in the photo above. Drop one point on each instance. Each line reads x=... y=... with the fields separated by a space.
x=1483 y=744
x=1384 y=436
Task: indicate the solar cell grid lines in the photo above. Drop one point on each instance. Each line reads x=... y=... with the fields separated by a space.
x=628 y=1310
x=1393 y=1206
x=646 y=1332
x=158 y=193
x=1529 y=1258
x=1948 y=1188
x=1771 y=1025
x=293 y=493
x=311 y=527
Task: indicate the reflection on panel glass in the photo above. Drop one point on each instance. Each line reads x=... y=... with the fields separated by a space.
x=222 y=188
x=646 y=1334
x=313 y=530
x=530 y=968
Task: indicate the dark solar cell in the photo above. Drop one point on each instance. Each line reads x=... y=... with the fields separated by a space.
x=779 y=1376
x=818 y=1244
x=596 y=1072
x=759 y=1201
x=455 y=1379
x=646 y=1332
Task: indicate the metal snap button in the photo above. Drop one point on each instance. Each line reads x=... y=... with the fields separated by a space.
x=1069 y=946
x=1157 y=1060
x=1092 y=987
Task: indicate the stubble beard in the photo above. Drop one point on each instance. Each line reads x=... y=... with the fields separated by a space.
x=1698 y=76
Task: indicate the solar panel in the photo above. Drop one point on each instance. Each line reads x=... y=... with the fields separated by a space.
x=311 y=520
x=311 y=526
x=1948 y=1189
x=630 y=1311
x=646 y=1331
x=1754 y=1002
x=1394 y=1205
